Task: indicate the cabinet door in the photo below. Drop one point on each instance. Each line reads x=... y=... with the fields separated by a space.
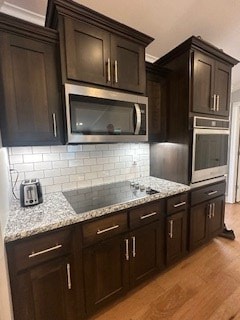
x=30 y=92
x=128 y=65
x=147 y=252
x=176 y=236
x=87 y=52
x=105 y=272
x=222 y=88
x=46 y=292
x=156 y=91
x=198 y=225
x=216 y=221
x=203 y=83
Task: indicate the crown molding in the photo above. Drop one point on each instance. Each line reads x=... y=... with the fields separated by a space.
x=150 y=58
x=21 y=13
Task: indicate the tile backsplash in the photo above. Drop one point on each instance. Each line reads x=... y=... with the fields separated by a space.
x=69 y=167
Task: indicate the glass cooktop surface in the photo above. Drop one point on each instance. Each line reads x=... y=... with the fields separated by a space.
x=91 y=198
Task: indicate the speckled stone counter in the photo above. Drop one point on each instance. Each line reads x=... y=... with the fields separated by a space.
x=56 y=212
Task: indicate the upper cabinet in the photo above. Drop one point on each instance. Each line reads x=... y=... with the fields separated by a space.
x=98 y=50
x=30 y=94
x=156 y=93
x=199 y=78
x=211 y=85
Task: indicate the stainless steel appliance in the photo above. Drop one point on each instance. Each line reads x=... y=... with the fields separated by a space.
x=30 y=192
x=97 y=115
x=210 y=148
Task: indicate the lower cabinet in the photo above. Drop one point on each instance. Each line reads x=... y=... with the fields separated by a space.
x=115 y=264
x=206 y=221
x=206 y=214
x=176 y=228
x=176 y=237
x=44 y=277
x=105 y=272
x=72 y=272
x=146 y=252
x=48 y=290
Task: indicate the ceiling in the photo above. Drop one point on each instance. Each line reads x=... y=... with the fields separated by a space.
x=169 y=22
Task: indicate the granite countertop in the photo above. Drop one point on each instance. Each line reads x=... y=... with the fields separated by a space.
x=56 y=212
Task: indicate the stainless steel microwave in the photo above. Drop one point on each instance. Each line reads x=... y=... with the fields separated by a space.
x=210 y=148
x=102 y=116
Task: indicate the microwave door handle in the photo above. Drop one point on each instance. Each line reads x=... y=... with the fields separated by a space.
x=138 y=117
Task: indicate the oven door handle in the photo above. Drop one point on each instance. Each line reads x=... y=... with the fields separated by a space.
x=138 y=117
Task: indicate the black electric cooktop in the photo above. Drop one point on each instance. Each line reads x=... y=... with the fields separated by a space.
x=83 y=200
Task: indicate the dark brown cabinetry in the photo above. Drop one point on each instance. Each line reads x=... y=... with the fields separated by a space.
x=198 y=84
x=211 y=85
x=157 y=109
x=206 y=214
x=30 y=95
x=98 y=50
x=45 y=279
x=118 y=260
x=105 y=272
x=176 y=228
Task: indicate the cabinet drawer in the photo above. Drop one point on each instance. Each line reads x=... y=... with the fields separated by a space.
x=177 y=203
x=208 y=192
x=145 y=213
x=104 y=228
x=35 y=250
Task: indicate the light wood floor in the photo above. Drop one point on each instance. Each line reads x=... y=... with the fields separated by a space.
x=204 y=286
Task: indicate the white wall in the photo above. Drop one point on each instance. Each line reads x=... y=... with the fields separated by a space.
x=234 y=145
x=5 y=301
x=62 y=168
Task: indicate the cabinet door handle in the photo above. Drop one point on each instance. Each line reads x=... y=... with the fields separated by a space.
x=212 y=193
x=171 y=229
x=213 y=107
x=148 y=215
x=69 y=281
x=108 y=70
x=116 y=70
x=213 y=210
x=108 y=229
x=34 y=254
x=54 y=125
x=126 y=250
x=134 y=246
x=217 y=103
x=210 y=211
x=179 y=204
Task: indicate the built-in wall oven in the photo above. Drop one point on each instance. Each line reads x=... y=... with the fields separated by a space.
x=209 y=149
x=102 y=116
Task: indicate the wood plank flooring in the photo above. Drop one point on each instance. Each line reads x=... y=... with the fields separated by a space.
x=204 y=286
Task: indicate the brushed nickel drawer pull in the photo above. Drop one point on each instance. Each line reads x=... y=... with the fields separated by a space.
x=54 y=125
x=218 y=98
x=213 y=107
x=126 y=250
x=179 y=204
x=134 y=246
x=211 y=193
x=171 y=229
x=108 y=70
x=108 y=229
x=34 y=254
x=213 y=209
x=210 y=211
x=116 y=70
x=69 y=276
x=148 y=215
